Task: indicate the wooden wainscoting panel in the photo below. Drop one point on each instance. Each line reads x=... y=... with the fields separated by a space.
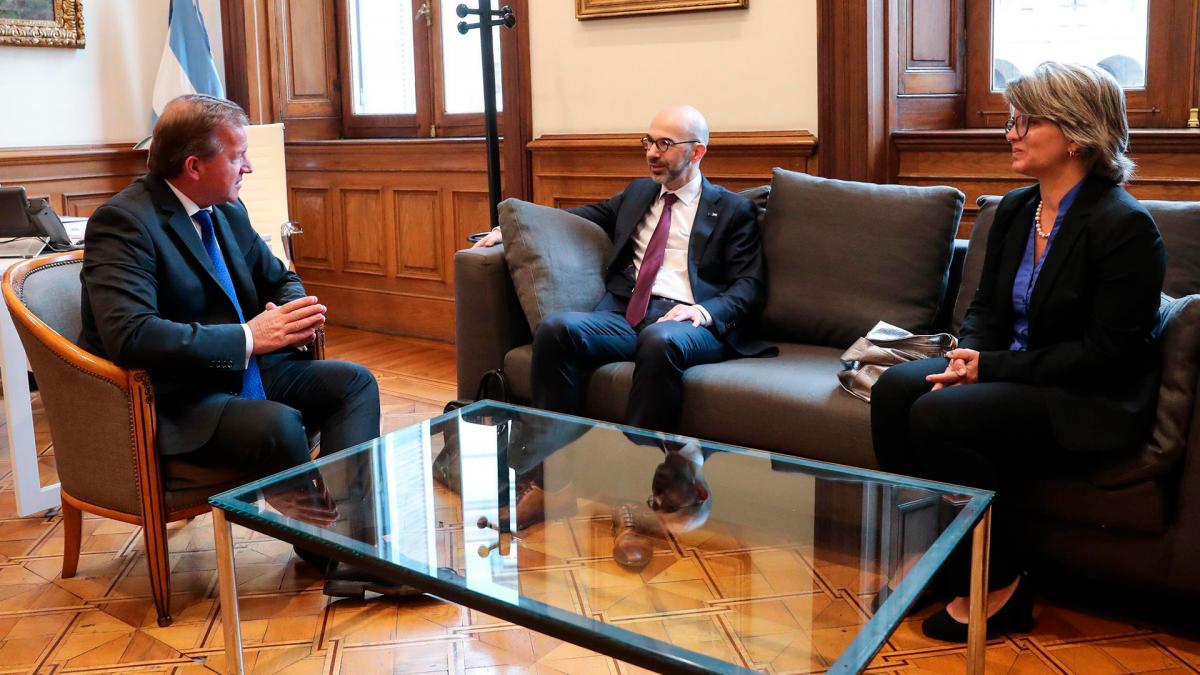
x=400 y=211
x=310 y=208
x=363 y=230
x=419 y=233
x=469 y=213
x=569 y=170
x=76 y=179
x=979 y=162
x=83 y=203
x=303 y=39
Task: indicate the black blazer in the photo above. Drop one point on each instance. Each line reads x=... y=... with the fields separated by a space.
x=1090 y=315
x=151 y=300
x=725 y=260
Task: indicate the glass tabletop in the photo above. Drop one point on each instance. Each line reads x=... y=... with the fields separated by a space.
x=661 y=550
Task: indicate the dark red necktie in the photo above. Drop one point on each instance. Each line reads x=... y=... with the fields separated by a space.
x=651 y=262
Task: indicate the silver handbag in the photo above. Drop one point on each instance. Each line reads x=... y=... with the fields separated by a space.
x=884 y=346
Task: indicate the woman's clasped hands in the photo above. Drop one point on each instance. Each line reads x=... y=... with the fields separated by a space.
x=962 y=369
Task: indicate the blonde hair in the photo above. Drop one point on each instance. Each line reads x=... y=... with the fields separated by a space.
x=1087 y=104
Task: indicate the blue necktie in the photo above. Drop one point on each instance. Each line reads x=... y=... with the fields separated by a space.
x=252 y=386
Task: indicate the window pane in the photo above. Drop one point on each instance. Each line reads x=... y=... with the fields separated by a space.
x=461 y=65
x=381 y=57
x=1110 y=34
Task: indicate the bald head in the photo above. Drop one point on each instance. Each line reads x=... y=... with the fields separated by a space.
x=685 y=119
x=687 y=129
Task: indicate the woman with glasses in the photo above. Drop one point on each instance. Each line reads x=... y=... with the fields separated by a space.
x=1055 y=369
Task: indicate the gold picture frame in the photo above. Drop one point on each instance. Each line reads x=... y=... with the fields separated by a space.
x=42 y=23
x=605 y=9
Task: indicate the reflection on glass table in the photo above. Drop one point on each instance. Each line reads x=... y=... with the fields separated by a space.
x=662 y=551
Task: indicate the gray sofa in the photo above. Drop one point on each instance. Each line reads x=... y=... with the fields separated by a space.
x=841 y=256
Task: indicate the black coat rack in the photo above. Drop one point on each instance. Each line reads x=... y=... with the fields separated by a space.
x=488 y=18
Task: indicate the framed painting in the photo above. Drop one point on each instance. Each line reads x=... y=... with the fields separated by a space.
x=604 y=9
x=42 y=23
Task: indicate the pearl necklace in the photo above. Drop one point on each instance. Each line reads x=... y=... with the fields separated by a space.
x=1037 y=222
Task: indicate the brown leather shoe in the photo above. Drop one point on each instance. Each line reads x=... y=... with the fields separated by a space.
x=631 y=549
x=531 y=505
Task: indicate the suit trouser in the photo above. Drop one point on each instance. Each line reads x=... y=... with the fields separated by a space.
x=340 y=398
x=568 y=345
x=985 y=435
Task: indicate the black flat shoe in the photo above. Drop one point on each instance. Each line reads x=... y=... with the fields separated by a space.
x=1016 y=616
x=923 y=600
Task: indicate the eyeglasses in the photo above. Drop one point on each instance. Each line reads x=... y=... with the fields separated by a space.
x=1020 y=123
x=663 y=144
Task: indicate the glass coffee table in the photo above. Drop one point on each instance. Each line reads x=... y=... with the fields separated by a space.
x=669 y=553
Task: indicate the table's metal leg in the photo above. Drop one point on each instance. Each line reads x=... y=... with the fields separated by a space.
x=977 y=626
x=227 y=582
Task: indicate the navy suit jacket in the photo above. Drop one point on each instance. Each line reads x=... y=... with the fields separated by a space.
x=725 y=260
x=151 y=300
x=1091 y=314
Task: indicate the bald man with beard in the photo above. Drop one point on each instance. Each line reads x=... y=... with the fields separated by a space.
x=686 y=275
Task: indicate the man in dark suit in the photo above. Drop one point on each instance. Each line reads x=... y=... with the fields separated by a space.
x=176 y=282
x=685 y=277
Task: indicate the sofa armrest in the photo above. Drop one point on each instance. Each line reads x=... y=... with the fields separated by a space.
x=488 y=318
x=1185 y=534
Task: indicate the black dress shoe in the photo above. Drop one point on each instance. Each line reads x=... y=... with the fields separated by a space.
x=321 y=563
x=347 y=581
x=1016 y=616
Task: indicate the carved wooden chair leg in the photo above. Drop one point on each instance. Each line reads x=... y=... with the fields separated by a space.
x=159 y=562
x=72 y=519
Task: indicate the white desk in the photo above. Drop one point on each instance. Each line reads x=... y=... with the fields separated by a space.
x=32 y=496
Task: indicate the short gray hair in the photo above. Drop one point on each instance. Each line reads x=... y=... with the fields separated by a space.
x=1087 y=104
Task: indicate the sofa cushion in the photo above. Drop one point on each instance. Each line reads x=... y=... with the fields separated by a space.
x=973 y=265
x=791 y=403
x=1179 y=223
x=1178 y=338
x=842 y=256
x=759 y=196
x=1140 y=507
x=556 y=259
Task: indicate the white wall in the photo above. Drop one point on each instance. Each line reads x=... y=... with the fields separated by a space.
x=98 y=94
x=747 y=70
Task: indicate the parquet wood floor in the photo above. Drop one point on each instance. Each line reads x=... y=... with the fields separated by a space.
x=102 y=621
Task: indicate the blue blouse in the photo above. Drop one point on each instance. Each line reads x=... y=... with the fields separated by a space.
x=1027 y=273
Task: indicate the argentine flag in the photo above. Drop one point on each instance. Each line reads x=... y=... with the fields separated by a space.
x=187 y=64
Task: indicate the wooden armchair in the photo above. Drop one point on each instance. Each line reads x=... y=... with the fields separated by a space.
x=102 y=422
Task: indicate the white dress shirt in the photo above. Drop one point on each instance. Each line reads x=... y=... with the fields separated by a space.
x=672 y=281
x=192 y=209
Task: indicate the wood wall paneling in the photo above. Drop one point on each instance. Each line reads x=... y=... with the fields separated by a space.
x=304 y=41
x=75 y=179
x=83 y=203
x=927 y=65
x=310 y=208
x=419 y=234
x=569 y=170
x=469 y=213
x=979 y=162
x=364 y=244
x=401 y=208
x=852 y=89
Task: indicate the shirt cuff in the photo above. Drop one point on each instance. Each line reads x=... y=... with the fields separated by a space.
x=249 y=345
x=707 y=317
